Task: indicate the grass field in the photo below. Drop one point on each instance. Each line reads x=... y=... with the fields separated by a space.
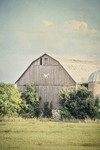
x=32 y=134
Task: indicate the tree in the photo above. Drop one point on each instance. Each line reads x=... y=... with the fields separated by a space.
x=78 y=104
x=30 y=104
x=47 y=111
x=10 y=100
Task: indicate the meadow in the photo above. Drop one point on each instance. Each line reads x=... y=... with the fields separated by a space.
x=46 y=134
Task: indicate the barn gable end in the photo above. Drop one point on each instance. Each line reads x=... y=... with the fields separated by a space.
x=49 y=78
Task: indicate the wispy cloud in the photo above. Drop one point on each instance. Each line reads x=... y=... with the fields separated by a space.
x=75 y=25
x=30 y=27
x=47 y=23
x=29 y=3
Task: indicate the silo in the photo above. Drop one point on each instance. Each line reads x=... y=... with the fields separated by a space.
x=94 y=83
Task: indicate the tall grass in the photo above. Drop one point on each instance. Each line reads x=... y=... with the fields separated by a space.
x=49 y=134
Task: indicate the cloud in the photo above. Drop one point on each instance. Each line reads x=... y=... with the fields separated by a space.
x=29 y=3
x=47 y=23
x=81 y=26
x=76 y=25
x=24 y=43
x=71 y=37
x=94 y=31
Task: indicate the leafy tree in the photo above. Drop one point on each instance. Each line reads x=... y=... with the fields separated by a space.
x=30 y=104
x=10 y=100
x=78 y=104
x=47 y=111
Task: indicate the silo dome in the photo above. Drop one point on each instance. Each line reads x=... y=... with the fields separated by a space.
x=94 y=77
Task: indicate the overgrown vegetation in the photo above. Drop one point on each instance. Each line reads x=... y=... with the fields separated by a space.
x=78 y=103
x=10 y=100
x=74 y=103
x=47 y=111
x=30 y=103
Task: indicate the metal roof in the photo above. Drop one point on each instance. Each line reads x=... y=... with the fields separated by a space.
x=94 y=77
x=78 y=68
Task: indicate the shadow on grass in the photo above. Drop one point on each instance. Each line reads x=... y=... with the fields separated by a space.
x=89 y=144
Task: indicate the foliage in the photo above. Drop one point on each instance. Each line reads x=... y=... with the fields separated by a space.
x=47 y=112
x=78 y=104
x=10 y=100
x=30 y=104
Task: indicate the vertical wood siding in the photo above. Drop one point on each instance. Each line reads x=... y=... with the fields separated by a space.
x=47 y=87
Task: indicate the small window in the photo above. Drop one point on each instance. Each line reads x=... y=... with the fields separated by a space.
x=46 y=61
x=41 y=61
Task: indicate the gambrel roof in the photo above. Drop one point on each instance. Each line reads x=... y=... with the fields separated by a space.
x=79 y=69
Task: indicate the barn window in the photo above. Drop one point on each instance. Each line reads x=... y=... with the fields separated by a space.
x=46 y=61
x=41 y=61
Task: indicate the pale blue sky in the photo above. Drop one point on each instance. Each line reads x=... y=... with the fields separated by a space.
x=29 y=28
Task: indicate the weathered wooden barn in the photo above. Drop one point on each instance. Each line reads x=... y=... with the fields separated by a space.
x=51 y=74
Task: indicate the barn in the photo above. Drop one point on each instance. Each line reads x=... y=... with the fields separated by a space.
x=51 y=73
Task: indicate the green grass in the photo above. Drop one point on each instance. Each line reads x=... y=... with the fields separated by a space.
x=32 y=134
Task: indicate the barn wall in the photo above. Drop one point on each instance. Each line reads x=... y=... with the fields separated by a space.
x=50 y=94
x=47 y=87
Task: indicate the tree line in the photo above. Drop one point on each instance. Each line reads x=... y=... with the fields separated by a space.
x=73 y=103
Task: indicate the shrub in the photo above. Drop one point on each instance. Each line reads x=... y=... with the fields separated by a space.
x=47 y=112
x=10 y=100
x=30 y=104
x=78 y=104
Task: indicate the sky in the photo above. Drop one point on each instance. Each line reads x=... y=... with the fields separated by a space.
x=30 y=28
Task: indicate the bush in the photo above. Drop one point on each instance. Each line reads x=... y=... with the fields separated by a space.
x=30 y=104
x=47 y=112
x=10 y=100
x=78 y=104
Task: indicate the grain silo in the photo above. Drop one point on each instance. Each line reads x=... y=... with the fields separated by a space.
x=94 y=83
